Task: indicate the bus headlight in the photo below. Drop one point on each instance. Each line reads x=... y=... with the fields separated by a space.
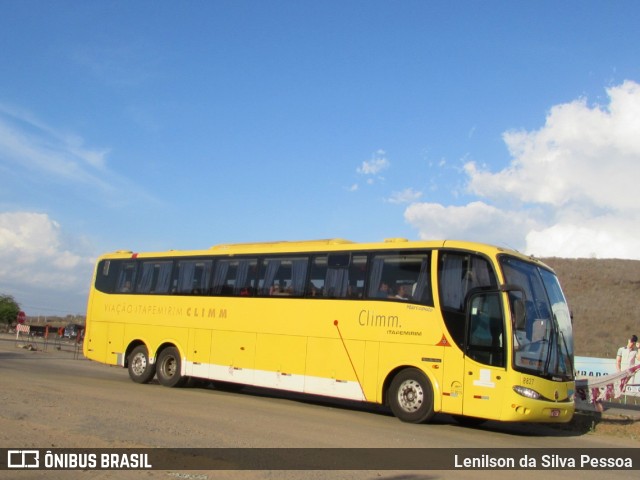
x=527 y=392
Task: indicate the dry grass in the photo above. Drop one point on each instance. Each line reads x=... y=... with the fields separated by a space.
x=593 y=423
x=604 y=297
x=618 y=428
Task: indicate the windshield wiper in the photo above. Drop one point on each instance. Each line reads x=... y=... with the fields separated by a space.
x=550 y=348
x=567 y=356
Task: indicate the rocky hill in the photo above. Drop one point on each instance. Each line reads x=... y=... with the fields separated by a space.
x=604 y=297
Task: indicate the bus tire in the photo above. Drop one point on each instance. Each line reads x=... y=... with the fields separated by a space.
x=411 y=396
x=141 y=370
x=168 y=367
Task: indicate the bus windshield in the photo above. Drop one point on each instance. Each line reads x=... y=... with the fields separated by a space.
x=543 y=338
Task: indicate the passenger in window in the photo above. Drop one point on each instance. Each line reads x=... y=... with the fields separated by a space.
x=384 y=291
x=279 y=290
x=352 y=291
x=403 y=292
x=127 y=287
x=312 y=290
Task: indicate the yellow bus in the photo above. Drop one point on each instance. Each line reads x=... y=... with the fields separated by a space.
x=467 y=329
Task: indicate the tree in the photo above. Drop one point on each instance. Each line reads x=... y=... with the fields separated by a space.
x=9 y=309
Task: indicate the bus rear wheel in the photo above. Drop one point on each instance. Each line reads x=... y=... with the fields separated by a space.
x=168 y=368
x=411 y=396
x=140 y=369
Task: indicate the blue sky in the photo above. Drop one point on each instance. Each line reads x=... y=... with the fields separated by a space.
x=155 y=125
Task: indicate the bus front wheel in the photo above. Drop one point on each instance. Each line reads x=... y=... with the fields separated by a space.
x=140 y=369
x=411 y=396
x=168 y=368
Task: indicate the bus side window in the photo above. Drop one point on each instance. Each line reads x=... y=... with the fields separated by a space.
x=345 y=275
x=317 y=275
x=234 y=277
x=336 y=282
x=401 y=276
x=458 y=273
x=485 y=342
x=155 y=277
x=126 y=277
x=337 y=275
x=421 y=290
x=283 y=276
x=357 y=276
x=192 y=277
x=107 y=275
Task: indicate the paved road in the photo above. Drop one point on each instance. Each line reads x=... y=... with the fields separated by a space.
x=51 y=400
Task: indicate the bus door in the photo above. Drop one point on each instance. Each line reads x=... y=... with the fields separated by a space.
x=485 y=354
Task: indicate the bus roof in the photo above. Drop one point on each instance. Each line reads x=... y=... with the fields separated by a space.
x=323 y=245
x=285 y=243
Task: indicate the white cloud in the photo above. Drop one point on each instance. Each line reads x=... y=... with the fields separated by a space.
x=567 y=160
x=35 y=260
x=475 y=221
x=594 y=238
x=371 y=168
x=575 y=180
x=408 y=195
x=40 y=153
x=374 y=166
x=39 y=263
x=32 y=144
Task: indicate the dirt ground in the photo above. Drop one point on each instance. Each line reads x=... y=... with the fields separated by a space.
x=622 y=425
x=614 y=422
x=39 y=410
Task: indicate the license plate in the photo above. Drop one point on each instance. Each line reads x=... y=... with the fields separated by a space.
x=555 y=412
